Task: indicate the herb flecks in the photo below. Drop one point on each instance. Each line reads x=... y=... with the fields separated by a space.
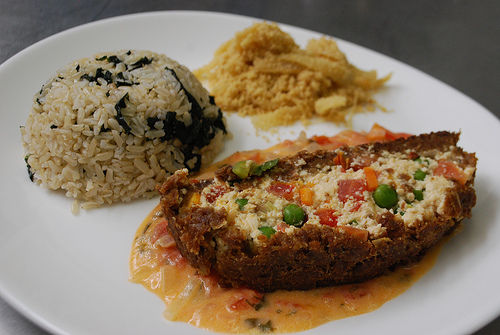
x=114 y=59
x=119 y=116
x=141 y=62
x=100 y=73
x=264 y=326
x=31 y=174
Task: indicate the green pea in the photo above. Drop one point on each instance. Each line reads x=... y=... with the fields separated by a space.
x=293 y=215
x=242 y=168
x=419 y=194
x=241 y=203
x=267 y=231
x=385 y=196
x=419 y=175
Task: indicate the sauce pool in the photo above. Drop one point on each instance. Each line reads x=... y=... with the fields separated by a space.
x=157 y=264
x=199 y=301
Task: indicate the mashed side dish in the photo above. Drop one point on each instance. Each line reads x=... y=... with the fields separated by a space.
x=111 y=127
x=261 y=72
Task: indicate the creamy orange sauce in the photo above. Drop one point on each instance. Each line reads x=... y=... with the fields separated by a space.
x=156 y=263
x=200 y=302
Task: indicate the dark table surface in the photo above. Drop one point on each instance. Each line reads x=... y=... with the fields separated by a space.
x=457 y=42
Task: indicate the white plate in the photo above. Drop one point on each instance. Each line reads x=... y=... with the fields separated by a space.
x=70 y=273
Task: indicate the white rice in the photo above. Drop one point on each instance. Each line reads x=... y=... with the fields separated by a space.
x=111 y=127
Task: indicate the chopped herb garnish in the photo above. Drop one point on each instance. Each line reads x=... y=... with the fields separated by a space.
x=100 y=73
x=123 y=83
x=60 y=77
x=147 y=227
x=87 y=77
x=77 y=68
x=267 y=231
x=259 y=169
x=266 y=327
x=241 y=203
x=120 y=76
x=259 y=304
x=244 y=169
x=101 y=58
x=198 y=133
x=141 y=62
x=119 y=117
x=53 y=126
x=128 y=53
x=419 y=160
x=419 y=194
x=113 y=59
x=151 y=121
x=28 y=166
x=107 y=93
x=353 y=222
x=38 y=101
x=419 y=175
x=211 y=99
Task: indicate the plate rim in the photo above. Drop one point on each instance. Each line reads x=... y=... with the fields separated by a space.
x=48 y=325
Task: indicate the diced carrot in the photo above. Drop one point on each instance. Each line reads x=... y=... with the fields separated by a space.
x=371 y=178
x=306 y=196
x=355 y=232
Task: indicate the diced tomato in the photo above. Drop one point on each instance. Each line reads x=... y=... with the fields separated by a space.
x=351 y=189
x=160 y=229
x=327 y=217
x=351 y=137
x=173 y=256
x=245 y=299
x=379 y=133
x=321 y=140
x=283 y=190
x=451 y=171
x=215 y=192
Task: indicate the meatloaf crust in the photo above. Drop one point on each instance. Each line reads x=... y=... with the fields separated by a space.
x=314 y=255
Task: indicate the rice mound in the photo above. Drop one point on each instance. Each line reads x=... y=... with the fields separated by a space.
x=111 y=127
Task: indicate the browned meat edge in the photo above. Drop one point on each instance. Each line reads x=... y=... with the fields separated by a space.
x=312 y=256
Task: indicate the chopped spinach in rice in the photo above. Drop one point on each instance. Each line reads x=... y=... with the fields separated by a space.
x=110 y=127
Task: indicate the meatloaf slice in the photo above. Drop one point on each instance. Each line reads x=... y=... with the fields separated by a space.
x=322 y=218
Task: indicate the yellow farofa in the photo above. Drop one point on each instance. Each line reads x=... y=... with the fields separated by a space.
x=262 y=73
